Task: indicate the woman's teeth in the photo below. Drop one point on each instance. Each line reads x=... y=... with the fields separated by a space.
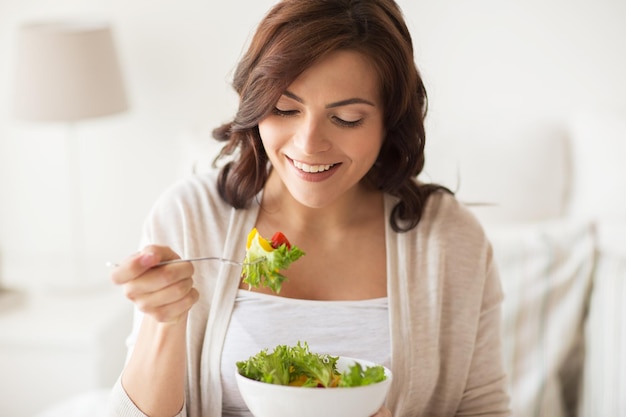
x=311 y=168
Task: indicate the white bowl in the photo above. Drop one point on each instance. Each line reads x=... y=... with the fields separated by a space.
x=271 y=400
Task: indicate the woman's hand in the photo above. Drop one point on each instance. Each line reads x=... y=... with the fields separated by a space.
x=383 y=412
x=165 y=292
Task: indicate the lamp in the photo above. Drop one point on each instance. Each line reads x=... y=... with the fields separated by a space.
x=67 y=71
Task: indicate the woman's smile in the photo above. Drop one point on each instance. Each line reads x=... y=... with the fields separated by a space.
x=314 y=172
x=311 y=168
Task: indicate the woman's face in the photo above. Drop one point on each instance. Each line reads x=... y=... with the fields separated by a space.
x=326 y=130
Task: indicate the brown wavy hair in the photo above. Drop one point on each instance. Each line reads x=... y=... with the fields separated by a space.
x=291 y=37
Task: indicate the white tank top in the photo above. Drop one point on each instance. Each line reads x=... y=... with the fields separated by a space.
x=358 y=329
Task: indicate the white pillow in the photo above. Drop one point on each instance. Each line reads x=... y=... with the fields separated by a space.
x=598 y=187
x=545 y=271
x=604 y=392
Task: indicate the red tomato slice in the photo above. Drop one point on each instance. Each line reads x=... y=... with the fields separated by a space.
x=278 y=239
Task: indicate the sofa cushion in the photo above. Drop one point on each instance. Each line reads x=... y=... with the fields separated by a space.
x=598 y=167
x=518 y=176
x=604 y=386
x=546 y=273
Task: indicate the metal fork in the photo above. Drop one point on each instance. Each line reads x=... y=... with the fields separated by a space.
x=206 y=258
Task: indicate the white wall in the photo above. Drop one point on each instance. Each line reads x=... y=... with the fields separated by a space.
x=496 y=70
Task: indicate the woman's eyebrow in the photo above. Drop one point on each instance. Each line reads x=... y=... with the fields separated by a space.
x=355 y=100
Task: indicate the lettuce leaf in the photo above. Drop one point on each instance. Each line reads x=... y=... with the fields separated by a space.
x=320 y=369
x=356 y=375
x=267 y=273
x=272 y=368
x=285 y=365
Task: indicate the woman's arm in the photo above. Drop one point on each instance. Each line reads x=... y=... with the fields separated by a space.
x=486 y=391
x=154 y=376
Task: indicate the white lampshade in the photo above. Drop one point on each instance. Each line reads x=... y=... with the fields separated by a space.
x=67 y=71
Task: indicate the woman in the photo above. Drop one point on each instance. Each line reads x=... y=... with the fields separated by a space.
x=325 y=147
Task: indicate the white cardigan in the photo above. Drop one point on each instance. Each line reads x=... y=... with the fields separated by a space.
x=444 y=304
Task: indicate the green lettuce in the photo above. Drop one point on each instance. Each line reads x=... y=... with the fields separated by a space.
x=287 y=364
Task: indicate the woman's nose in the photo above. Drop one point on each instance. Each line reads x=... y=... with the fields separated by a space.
x=312 y=137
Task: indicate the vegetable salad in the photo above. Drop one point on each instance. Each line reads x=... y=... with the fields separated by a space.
x=277 y=254
x=298 y=366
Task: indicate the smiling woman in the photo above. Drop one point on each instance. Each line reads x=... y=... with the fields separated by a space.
x=325 y=147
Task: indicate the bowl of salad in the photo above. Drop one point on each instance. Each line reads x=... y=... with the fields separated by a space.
x=291 y=380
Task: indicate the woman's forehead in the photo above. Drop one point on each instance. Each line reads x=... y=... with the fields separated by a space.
x=338 y=76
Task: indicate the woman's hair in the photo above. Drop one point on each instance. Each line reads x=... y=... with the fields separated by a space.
x=291 y=37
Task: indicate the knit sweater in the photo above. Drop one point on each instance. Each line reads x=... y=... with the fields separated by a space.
x=443 y=291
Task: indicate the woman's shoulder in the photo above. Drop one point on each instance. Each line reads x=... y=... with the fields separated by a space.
x=195 y=187
x=449 y=217
x=195 y=193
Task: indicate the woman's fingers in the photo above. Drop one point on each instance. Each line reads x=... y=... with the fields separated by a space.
x=171 y=312
x=148 y=301
x=158 y=278
x=164 y=292
x=137 y=264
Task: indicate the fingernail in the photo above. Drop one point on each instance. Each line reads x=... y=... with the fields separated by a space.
x=147 y=259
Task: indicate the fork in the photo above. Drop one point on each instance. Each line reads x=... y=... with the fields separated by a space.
x=205 y=258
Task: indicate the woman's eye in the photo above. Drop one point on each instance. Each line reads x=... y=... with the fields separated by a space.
x=285 y=113
x=347 y=123
x=337 y=120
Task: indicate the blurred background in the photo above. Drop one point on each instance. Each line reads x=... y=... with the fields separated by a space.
x=497 y=72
